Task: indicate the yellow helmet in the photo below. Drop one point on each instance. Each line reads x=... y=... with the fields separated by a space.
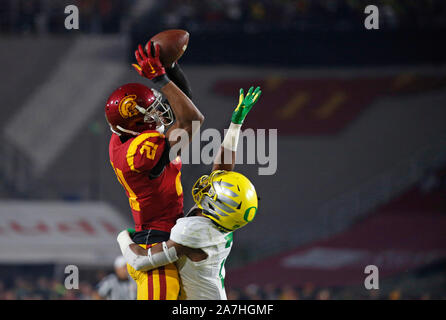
x=226 y=197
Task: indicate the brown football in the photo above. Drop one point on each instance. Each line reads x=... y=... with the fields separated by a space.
x=172 y=43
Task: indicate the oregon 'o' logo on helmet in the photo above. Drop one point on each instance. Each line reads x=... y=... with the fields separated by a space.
x=127 y=106
x=250 y=213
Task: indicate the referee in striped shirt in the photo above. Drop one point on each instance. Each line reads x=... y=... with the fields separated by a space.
x=118 y=285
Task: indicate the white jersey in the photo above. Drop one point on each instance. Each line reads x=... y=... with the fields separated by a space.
x=202 y=280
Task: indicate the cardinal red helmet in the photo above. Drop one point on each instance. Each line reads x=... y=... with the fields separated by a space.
x=134 y=108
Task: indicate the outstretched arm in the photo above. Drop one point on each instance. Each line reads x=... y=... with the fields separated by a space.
x=150 y=67
x=177 y=75
x=186 y=113
x=147 y=259
x=159 y=255
x=225 y=159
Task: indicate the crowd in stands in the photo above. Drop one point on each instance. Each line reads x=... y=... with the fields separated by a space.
x=425 y=283
x=42 y=16
x=45 y=288
x=412 y=287
x=309 y=292
x=302 y=15
x=104 y=16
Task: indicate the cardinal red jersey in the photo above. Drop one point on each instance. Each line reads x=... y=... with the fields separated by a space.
x=152 y=182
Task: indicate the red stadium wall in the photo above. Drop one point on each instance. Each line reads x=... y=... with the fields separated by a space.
x=407 y=233
x=321 y=106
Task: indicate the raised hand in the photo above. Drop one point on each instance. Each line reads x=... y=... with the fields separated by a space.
x=149 y=66
x=245 y=104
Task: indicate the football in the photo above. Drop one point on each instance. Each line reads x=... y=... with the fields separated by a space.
x=173 y=44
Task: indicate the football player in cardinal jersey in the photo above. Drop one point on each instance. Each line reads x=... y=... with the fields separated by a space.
x=139 y=155
x=200 y=243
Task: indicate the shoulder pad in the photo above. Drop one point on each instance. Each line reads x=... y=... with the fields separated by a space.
x=196 y=232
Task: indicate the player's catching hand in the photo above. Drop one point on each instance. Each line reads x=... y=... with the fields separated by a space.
x=149 y=66
x=245 y=103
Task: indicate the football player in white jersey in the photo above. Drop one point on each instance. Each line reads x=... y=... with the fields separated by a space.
x=200 y=242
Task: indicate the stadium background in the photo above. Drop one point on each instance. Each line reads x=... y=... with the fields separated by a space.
x=360 y=114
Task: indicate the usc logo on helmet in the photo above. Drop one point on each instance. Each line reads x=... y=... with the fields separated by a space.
x=127 y=106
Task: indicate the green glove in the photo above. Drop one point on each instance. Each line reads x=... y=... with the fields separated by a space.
x=131 y=231
x=245 y=104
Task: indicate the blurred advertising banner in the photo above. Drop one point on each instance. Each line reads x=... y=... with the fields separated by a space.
x=398 y=238
x=323 y=105
x=59 y=232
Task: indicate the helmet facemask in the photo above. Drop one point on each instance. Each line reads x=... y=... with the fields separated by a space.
x=157 y=112
x=212 y=196
x=203 y=187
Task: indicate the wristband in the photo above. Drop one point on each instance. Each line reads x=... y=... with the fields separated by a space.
x=230 y=141
x=161 y=80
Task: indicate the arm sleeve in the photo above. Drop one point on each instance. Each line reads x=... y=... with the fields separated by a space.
x=177 y=75
x=145 y=151
x=149 y=262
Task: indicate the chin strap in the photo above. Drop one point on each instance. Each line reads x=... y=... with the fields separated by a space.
x=114 y=131
x=128 y=131
x=160 y=129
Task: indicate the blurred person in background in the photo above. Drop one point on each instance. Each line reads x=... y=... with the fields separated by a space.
x=86 y=292
x=252 y=292
x=289 y=293
x=22 y=288
x=43 y=288
x=323 y=294
x=395 y=294
x=308 y=291
x=374 y=295
x=270 y=292
x=234 y=294
x=118 y=285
